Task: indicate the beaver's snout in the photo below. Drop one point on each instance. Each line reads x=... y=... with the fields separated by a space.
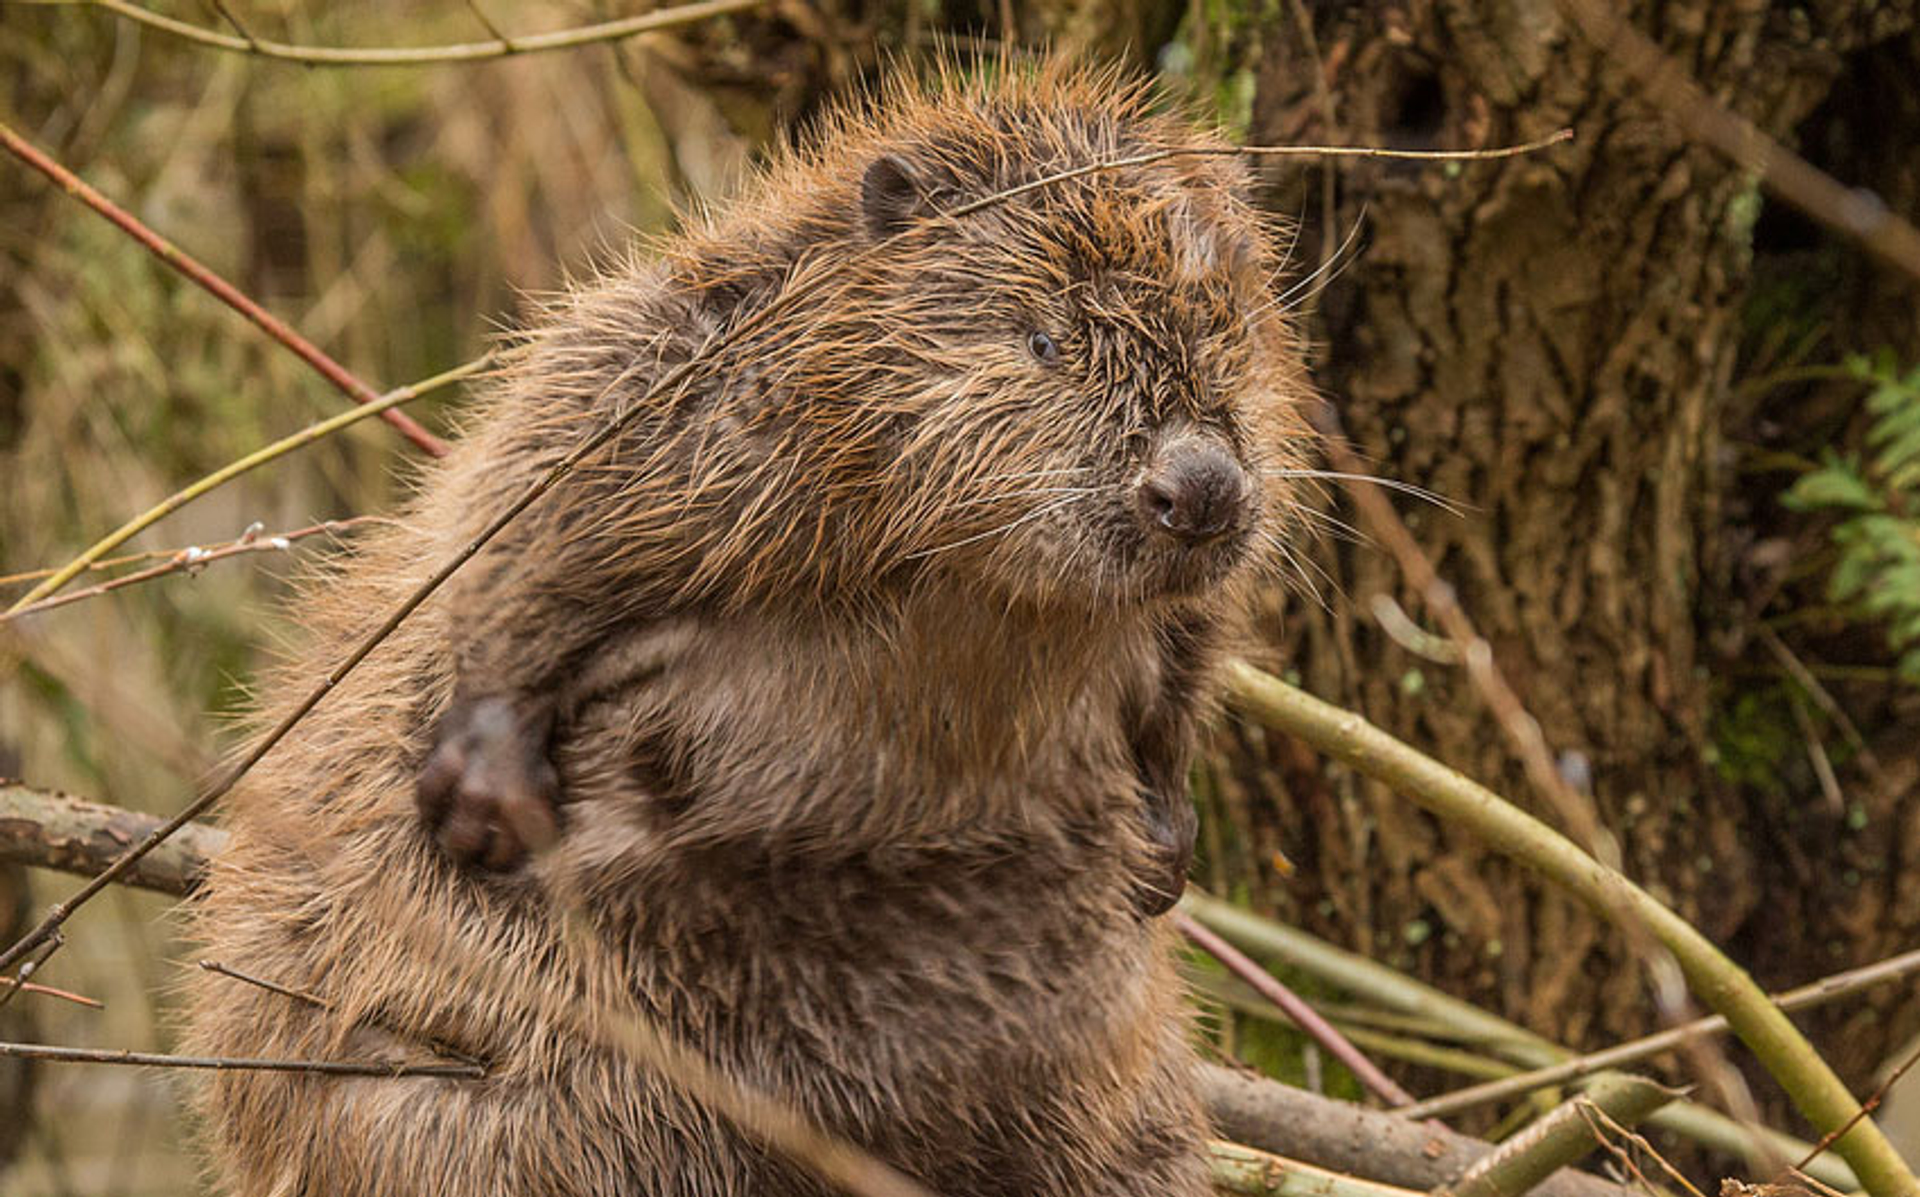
x=1194 y=491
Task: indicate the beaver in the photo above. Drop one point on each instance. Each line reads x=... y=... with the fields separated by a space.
x=867 y=659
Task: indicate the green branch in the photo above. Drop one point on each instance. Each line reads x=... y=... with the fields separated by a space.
x=1715 y=979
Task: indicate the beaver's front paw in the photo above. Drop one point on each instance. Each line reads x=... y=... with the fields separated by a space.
x=488 y=793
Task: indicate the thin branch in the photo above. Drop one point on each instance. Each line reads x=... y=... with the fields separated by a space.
x=1600 y=1124
x=1262 y=151
x=380 y=1068
x=34 y=575
x=220 y=6
x=1817 y=755
x=1866 y=1107
x=1303 y=1016
x=1807 y=1078
x=77 y=999
x=1423 y=1049
x=220 y=288
x=350 y=56
x=28 y=967
x=232 y=470
x=763 y=1116
x=438 y=1046
x=1811 y=684
x=190 y=560
x=1805 y=997
x=273 y=987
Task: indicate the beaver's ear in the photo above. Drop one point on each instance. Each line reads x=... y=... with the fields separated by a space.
x=891 y=197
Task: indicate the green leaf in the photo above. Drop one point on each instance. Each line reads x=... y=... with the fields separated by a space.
x=1836 y=486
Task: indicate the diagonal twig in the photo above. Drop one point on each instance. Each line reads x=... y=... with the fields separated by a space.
x=1304 y=1016
x=87 y=1055
x=1805 y=997
x=190 y=560
x=220 y=288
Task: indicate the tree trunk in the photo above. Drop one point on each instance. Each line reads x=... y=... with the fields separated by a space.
x=1549 y=342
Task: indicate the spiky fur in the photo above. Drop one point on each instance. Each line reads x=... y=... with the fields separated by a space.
x=859 y=701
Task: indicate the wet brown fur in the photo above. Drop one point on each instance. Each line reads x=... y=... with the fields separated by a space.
x=857 y=706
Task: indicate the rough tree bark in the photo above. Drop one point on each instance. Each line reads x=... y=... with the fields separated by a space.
x=1551 y=342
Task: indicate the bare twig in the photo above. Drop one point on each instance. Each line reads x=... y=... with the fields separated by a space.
x=1420 y=1047
x=227 y=473
x=189 y=560
x=437 y=1046
x=1817 y=755
x=77 y=999
x=486 y=22
x=227 y=14
x=34 y=575
x=1600 y=1124
x=762 y=1116
x=1805 y=997
x=381 y=1068
x=1798 y=670
x=274 y=987
x=28 y=967
x=1262 y=151
x=1866 y=1107
x=347 y=56
x=1304 y=1016
x=220 y=288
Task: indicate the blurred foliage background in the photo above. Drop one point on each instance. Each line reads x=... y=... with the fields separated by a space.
x=1682 y=420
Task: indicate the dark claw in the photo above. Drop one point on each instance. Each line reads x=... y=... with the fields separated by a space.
x=488 y=793
x=1171 y=829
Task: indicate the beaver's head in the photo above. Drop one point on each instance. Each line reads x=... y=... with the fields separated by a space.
x=1096 y=388
x=1076 y=391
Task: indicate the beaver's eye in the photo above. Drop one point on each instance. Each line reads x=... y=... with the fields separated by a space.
x=1043 y=347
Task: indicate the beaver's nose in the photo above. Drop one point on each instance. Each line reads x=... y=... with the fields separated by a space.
x=1194 y=491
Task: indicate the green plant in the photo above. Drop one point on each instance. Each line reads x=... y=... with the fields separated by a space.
x=1876 y=540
